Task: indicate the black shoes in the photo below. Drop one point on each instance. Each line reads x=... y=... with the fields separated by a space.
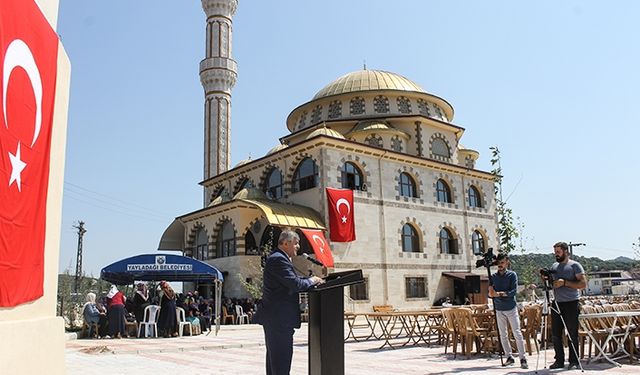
x=556 y=365
x=523 y=364
x=509 y=362
x=573 y=366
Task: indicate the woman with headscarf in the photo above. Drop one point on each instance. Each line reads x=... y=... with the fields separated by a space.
x=91 y=313
x=167 y=320
x=115 y=312
x=140 y=301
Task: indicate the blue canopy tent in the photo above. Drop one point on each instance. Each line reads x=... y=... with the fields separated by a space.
x=169 y=267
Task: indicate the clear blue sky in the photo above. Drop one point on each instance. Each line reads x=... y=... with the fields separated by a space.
x=553 y=84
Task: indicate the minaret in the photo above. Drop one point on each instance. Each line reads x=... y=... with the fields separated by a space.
x=218 y=72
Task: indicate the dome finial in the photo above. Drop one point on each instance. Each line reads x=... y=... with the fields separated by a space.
x=364 y=64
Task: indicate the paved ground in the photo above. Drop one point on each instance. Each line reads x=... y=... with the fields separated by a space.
x=240 y=350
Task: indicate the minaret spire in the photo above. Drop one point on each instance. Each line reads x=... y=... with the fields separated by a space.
x=218 y=72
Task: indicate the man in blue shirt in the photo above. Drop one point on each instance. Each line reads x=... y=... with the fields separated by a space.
x=568 y=279
x=503 y=291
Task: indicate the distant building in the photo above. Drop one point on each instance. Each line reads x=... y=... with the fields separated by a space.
x=423 y=212
x=611 y=282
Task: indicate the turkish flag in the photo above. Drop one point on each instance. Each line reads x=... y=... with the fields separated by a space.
x=341 y=225
x=29 y=56
x=320 y=246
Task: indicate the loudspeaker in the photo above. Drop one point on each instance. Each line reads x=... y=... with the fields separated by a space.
x=472 y=284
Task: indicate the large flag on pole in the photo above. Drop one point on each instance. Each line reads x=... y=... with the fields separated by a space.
x=29 y=59
x=341 y=223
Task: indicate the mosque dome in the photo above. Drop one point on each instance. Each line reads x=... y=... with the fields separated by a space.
x=366 y=80
x=250 y=193
x=277 y=148
x=366 y=94
x=222 y=198
x=243 y=162
x=325 y=131
x=376 y=126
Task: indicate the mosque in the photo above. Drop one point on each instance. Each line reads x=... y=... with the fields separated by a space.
x=423 y=212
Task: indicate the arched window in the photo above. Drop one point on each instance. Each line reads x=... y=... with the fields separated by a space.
x=443 y=191
x=448 y=244
x=396 y=144
x=410 y=239
x=404 y=105
x=250 y=246
x=305 y=176
x=335 y=109
x=273 y=184
x=220 y=191
x=440 y=148
x=477 y=243
x=356 y=106
x=351 y=177
x=226 y=240
x=407 y=186
x=246 y=184
x=374 y=140
x=202 y=245
x=474 y=197
x=381 y=104
x=423 y=107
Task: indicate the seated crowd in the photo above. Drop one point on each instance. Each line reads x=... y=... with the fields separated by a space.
x=113 y=313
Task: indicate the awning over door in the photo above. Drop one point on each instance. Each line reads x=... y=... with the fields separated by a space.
x=463 y=275
x=173 y=237
x=288 y=215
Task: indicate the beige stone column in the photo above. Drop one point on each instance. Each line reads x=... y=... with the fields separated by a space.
x=32 y=337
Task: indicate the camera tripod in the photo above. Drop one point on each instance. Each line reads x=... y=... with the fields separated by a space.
x=547 y=309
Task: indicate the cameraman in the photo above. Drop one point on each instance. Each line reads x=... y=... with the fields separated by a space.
x=568 y=278
x=503 y=291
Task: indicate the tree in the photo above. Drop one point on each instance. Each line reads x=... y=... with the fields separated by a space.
x=507 y=231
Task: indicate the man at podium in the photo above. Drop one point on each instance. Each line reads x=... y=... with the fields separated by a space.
x=280 y=312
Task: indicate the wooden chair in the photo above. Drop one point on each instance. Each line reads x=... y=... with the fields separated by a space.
x=383 y=308
x=469 y=331
x=449 y=331
x=532 y=318
x=88 y=328
x=597 y=327
x=226 y=317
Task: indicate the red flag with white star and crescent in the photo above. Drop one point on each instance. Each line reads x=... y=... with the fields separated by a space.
x=320 y=246
x=29 y=57
x=341 y=217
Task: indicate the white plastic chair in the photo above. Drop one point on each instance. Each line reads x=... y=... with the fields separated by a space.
x=183 y=322
x=149 y=321
x=241 y=317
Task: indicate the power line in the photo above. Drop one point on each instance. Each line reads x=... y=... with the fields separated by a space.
x=116 y=199
x=115 y=205
x=113 y=210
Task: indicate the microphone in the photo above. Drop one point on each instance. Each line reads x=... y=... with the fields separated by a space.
x=312 y=260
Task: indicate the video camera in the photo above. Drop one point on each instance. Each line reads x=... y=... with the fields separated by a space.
x=488 y=259
x=547 y=272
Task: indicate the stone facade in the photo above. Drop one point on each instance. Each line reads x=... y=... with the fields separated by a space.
x=375 y=132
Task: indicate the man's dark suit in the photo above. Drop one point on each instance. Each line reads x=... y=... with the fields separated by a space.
x=280 y=310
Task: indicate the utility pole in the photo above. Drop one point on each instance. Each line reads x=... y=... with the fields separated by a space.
x=81 y=232
x=571 y=245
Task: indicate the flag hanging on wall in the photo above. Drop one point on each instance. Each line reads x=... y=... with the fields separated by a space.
x=29 y=59
x=341 y=216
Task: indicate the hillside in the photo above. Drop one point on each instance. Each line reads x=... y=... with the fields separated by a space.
x=527 y=265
